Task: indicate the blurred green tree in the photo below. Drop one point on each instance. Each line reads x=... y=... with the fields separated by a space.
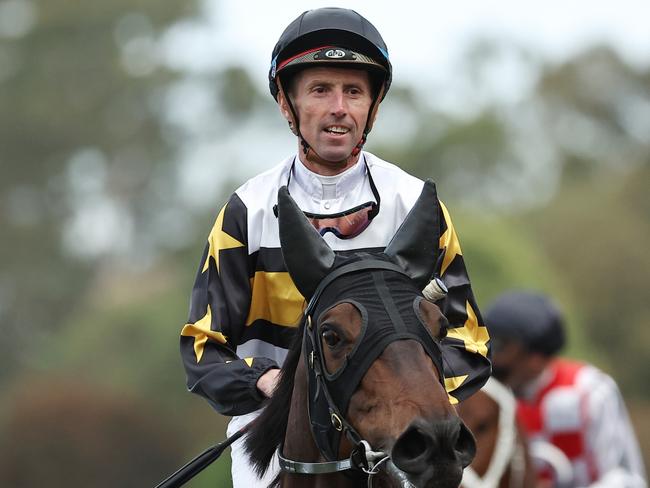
x=82 y=139
x=596 y=110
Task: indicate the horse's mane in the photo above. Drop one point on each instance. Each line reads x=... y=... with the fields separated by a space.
x=269 y=428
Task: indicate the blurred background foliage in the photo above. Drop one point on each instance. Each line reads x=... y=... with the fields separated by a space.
x=114 y=164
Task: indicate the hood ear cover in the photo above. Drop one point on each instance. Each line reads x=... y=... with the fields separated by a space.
x=306 y=255
x=308 y=258
x=415 y=245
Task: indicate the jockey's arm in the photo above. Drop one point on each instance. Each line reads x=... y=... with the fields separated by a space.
x=466 y=347
x=220 y=302
x=610 y=434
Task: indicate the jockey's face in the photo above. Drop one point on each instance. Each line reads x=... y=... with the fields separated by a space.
x=515 y=366
x=332 y=106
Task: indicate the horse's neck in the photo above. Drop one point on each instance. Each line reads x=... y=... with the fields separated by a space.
x=299 y=443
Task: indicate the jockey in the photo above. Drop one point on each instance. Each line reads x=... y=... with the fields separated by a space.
x=329 y=73
x=572 y=405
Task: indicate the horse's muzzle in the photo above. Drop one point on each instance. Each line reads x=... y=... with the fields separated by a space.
x=434 y=454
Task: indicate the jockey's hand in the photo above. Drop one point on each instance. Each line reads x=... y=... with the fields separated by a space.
x=268 y=381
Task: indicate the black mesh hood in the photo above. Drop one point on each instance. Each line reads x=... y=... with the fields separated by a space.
x=389 y=303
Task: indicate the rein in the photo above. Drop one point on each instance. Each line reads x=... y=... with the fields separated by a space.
x=200 y=462
x=508 y=451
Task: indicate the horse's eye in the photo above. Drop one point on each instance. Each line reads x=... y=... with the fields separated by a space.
x=330 y=337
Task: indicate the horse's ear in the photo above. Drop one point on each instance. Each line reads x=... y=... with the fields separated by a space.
x=306 y=255
x=415 y=244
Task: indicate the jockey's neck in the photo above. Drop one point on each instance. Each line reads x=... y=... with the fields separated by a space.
x=323 y=167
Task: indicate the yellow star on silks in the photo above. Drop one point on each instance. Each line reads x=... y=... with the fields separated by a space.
x=449 y=242
x=453 y=383
x=248 y=361
x=219 y=241
x=474 y=336
x=201 y=331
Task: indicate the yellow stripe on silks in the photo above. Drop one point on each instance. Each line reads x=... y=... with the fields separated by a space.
x=474 y=336
x=451 y=384
x=448 y=241
x=218 y=240
x=201 y=331
x=275 y=299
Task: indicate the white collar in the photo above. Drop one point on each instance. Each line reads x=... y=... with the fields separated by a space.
x=313 y=183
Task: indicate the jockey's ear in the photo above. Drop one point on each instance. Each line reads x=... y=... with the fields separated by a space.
x=284 y=107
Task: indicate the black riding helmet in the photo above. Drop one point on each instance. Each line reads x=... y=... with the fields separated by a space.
x=334 y=27
x=334 y=36
x=528 y=318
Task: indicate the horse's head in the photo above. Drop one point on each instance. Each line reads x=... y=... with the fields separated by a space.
x=501 y=453
x=371 y=347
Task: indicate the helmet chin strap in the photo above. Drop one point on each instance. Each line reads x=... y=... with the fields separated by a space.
x=310 y=154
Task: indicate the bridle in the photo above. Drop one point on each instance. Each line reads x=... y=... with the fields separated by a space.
x=508 y=452
x=330 y=393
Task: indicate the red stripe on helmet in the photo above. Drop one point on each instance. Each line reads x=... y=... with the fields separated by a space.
x=287 y=61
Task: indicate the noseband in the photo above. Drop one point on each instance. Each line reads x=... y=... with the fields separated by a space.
x=388 y=314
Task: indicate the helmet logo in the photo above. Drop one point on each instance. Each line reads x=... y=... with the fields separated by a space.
x=335 y=53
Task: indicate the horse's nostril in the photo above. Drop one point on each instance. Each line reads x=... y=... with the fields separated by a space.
x=411 y=451
x=465 y=446
x=434 y=450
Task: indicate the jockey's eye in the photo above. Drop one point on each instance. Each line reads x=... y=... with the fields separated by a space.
x=330 y=337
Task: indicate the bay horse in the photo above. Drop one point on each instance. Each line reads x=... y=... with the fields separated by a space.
x=502 y=458
x=361 y=399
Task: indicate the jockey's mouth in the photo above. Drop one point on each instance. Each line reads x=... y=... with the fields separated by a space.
x=336 y=130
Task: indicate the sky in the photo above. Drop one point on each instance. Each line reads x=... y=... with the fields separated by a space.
x=424 y=38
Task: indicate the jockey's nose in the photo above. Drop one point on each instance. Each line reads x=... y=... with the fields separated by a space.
x=338 y=107
x=437 y=451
